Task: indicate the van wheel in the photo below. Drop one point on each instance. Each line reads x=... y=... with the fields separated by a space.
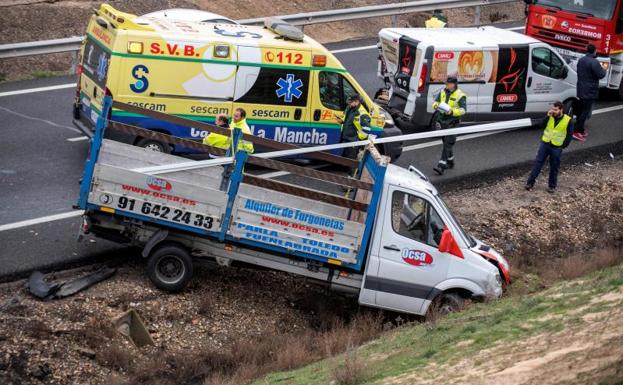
x=569 y=106
x=619 y=92
x=154 y=145
x=170 y=268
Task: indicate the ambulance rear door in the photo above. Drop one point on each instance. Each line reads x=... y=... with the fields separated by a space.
x=273 y=86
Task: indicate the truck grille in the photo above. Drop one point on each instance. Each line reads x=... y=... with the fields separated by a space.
x=567 y=41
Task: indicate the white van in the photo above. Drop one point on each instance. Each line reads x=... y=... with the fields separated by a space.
x=505 y=75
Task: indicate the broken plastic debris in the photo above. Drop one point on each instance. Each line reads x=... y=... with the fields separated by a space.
x=41 y=289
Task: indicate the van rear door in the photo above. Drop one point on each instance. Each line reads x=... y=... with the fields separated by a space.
x=403 y=61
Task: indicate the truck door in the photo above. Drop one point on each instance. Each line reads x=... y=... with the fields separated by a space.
x=546 y=80
x=274 y=94
x=409 y=264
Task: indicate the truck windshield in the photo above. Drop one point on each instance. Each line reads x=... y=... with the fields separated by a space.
x=602 y=9
x=466 y=237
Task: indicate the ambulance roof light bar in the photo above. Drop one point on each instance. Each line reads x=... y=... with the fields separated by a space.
x=284 y=29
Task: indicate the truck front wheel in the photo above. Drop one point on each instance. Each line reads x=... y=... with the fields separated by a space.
x=170 y=268
x=444 y=304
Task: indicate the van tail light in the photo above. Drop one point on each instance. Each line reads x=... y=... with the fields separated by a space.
x=422 y=82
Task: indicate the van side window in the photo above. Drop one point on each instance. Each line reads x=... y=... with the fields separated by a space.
x=546 y=63
x=416 y=219
x=334 y=90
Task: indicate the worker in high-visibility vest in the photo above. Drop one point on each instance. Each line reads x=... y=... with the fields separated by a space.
x=451 y=105
x=557 y=134
x=437 y=20
x=225 y=142
x=355 y=125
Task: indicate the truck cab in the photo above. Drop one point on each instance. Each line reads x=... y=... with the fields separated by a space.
x=569 y=26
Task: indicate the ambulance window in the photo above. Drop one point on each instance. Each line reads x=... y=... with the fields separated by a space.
x=334 y=90
x=546 y=63
x=275 y=86
x=416 y=219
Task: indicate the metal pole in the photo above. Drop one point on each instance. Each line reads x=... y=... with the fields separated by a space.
x=394 y=21
x=477 y=15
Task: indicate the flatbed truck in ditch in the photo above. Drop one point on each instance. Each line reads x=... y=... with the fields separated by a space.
x=391 y=240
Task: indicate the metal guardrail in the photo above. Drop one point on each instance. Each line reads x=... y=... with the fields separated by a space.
x=70 y=44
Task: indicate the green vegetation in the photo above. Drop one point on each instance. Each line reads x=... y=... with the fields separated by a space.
x=47 y=74
x=464 y=334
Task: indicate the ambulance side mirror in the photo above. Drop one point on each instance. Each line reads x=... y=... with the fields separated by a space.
x=448 y=244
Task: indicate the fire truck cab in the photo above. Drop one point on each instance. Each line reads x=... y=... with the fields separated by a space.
x=570 y=25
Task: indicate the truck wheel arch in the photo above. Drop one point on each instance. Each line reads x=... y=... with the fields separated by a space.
x=462 y=287
x=570 y=106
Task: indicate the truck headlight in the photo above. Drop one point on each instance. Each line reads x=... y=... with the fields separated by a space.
x=498 y=279
x=605 y=65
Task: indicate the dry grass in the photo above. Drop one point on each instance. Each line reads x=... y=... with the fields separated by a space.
x=578 y=265
x=206 y=304
x=352 y=371
x=115 y=357
x=247 y=359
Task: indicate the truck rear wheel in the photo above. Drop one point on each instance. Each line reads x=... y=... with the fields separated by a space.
x=170 y=268
x=153 y=145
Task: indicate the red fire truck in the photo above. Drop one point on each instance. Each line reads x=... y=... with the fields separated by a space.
x=570 y=25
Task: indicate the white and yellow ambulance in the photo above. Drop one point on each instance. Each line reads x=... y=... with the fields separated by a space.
x=290 y=86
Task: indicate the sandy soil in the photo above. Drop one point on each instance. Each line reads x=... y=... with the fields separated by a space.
x=580 y=354
x=29 y=20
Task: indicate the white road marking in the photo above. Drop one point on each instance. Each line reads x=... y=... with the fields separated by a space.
x=36 y=221
x=608 y=109
x=78 y=138
x=38 y=89
x=516 y=28
x=439 y=142
x=51 y=123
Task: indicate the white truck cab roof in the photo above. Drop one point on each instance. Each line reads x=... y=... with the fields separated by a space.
x=411 y=179
x=469 y=37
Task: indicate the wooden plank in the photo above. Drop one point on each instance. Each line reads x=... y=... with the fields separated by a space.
x=303 y=192
x=159 y=136
x=310 y=173
x=223 y=131
x=269 y=163
x=362 y=196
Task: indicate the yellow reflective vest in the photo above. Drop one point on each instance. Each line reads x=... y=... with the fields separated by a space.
x=434 y=22
x=362 y=114
x=453 y=101
x=224 y=142
x=556 y=133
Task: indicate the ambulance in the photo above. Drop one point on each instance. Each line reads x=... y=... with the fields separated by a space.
x=291 y=87
x=505 y=75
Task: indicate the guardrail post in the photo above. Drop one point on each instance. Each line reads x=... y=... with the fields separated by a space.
x=477 y=15
x=394 y=21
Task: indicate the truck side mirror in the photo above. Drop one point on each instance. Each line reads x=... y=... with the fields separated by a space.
x=528 y=2
x=448 y=244
x=565 y=72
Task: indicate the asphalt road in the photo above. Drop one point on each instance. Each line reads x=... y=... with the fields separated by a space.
x=41 y=160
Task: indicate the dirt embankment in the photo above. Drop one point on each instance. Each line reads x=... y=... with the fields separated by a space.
x=30 y=20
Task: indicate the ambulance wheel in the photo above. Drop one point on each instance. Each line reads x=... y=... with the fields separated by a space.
x=153 y=145
x=170 y=268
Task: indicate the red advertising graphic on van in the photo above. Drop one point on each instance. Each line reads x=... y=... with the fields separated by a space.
x=444 y=55
x=506 y=98
x=416 y=257
x=510 y=88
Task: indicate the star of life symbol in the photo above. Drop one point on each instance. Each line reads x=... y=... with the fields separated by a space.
x=289 y=87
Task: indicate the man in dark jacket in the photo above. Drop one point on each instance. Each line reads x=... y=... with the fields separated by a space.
x=557 y=132
x=589 y=73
